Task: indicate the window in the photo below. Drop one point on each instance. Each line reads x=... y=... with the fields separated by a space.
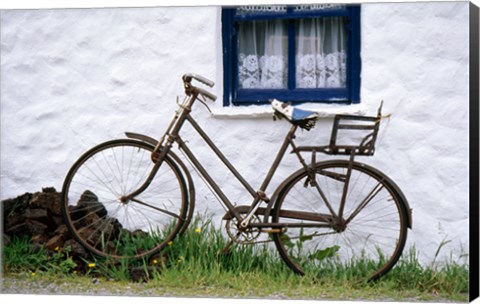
x=300 y=53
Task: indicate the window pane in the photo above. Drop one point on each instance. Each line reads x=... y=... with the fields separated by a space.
x=262 y=54
x=321 y=53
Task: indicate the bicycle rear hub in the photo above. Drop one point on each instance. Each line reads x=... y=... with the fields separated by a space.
x=339 y=224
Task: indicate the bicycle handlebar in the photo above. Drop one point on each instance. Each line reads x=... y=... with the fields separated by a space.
x=187 y=78
x=207 y=94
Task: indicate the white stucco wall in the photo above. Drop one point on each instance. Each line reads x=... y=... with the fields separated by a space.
x=72 y=78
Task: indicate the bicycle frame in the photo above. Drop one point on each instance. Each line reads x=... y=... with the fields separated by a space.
x=172 y=135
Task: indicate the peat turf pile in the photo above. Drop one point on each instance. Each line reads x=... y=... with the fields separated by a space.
x=38 y=216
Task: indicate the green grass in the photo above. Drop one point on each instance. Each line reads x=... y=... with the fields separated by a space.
x=194 y=265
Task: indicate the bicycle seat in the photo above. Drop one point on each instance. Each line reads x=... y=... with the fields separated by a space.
x=303 y=118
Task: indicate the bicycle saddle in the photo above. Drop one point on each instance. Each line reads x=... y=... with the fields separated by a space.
x=303 y=118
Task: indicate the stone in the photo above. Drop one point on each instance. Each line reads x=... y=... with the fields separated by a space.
x=36 y=227
x=20 y=229
x=36 y=214
x=39 y=239
x=141 y=274
x=63 y=231
x=47 y=200
x=49 y=190
x=88 y=196
x=58 y=220
x=16 y=205
x=55 y=242
x=13 y=220
x=76 y=250
x=92 y=206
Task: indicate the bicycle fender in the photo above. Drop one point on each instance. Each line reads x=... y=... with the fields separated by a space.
x=142 y=137
x=183 y=168
x=271 y=204
x=406 y=205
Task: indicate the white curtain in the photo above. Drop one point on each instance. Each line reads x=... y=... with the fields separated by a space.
x=262 y=59
x=320 y=53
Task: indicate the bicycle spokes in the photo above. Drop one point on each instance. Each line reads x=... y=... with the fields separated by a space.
x=373 y=227
x=106 y=221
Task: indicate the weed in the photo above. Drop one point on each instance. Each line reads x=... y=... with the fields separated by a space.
x=20 y=255
x=61 y=261
x=196 y=264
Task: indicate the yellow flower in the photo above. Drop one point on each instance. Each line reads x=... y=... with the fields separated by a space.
x=155 y=261
x=57 y=248
x=33 y=274
x=198 y=230
x=91 y=265
x=170 y=243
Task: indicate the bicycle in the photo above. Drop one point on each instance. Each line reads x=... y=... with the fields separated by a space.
x=128 y=198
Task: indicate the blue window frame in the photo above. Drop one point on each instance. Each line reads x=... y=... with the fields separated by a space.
x=239 y=24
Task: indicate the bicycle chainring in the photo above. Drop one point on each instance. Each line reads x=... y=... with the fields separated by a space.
x=245 y=235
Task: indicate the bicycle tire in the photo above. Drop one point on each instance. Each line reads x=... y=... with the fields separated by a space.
x=373 y=239
x=102 y=222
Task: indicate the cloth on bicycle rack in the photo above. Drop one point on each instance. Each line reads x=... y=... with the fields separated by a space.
x=292 y=113
x=302 y=118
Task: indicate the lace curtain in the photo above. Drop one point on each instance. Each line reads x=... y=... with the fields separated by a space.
x=262 y=59
x=320 y=53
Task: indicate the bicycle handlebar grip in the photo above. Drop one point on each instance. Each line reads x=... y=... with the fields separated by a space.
x=207 y=94
x=188 y=77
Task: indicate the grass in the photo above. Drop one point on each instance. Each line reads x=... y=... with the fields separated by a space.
x=194 y=265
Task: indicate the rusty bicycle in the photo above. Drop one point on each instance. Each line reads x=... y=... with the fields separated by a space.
x=128 y=198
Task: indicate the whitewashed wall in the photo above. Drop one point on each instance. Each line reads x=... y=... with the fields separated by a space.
x=73 y=78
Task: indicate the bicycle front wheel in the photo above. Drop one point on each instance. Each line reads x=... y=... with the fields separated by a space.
x=365 y=240
x=106 y=224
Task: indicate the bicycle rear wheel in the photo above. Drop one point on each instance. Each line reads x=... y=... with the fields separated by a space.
x=365 y=244
x=109 y=226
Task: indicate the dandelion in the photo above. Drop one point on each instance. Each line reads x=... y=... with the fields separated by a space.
x=170 y=243
x=197 y=230
x=155 y=262
x=91 y=265
x=33 y=274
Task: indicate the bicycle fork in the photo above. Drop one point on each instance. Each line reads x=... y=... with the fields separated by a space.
x=157 y=158
x=163 y=146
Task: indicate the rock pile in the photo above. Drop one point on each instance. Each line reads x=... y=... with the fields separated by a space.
x=39 y=217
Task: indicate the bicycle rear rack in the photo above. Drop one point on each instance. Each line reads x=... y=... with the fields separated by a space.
x=366 y=124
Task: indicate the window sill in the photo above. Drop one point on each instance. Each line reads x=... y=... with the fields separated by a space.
x=263 y=111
